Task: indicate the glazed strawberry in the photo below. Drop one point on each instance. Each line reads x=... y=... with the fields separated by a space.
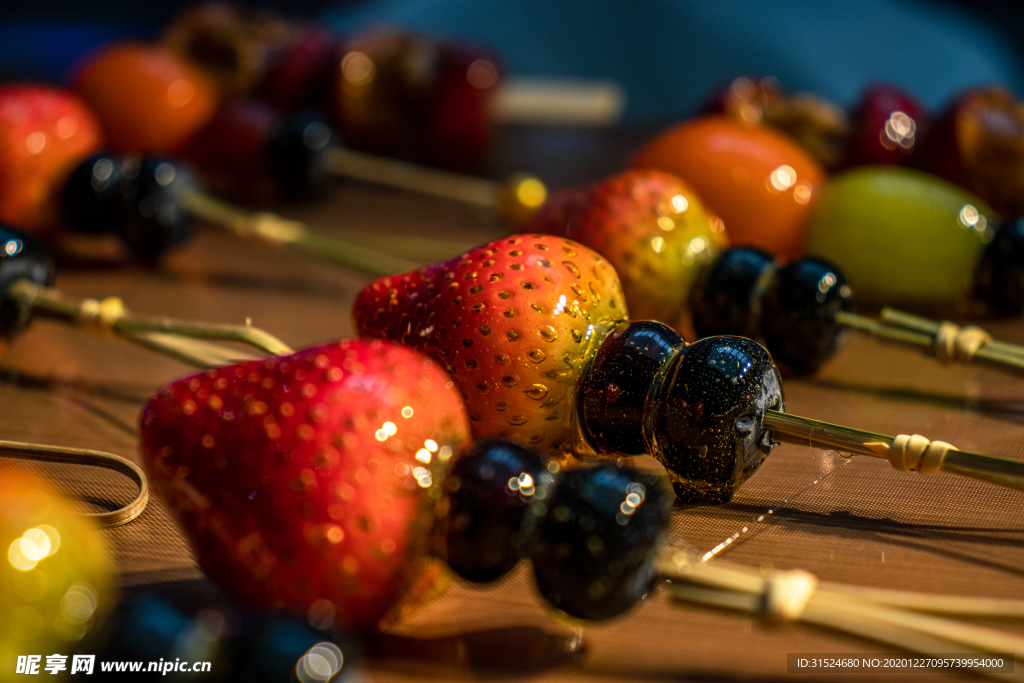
x=44 y=134
x=513 y=322
x=651 y=226
x=307 y=478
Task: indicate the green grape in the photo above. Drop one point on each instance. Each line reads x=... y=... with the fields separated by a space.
x=901 y=236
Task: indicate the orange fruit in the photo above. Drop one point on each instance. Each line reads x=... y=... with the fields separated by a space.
x=757 y=180
x=147 y=98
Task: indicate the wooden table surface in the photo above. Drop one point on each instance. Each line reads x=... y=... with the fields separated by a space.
x=856 y=520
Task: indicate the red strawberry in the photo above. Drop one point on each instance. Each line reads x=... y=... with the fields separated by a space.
x=514 y=323
x=44 y=134
x=308 y=477
x=651 y=226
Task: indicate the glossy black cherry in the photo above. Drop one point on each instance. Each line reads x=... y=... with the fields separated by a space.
x=90 y=194
x=298 y=149
x=22 y=257
x=1000 y=276
x=154 y=216
x=613 y=396
x=799 y=313
x=707 y=422
x=596 y=537
x=727 y=299
x=489 y=488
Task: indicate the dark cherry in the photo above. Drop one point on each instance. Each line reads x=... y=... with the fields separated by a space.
x=154 y=216
x=799 y=316
x=888 y=124
x=697 y=408
x=596 y=536
x=707 y=422
x=297 y=152
x=614 y=394
x=727 y=299
x=1000 y=276
x=90 y=194
x=489 y=488
x=22 y=257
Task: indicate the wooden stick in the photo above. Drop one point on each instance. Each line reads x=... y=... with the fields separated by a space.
x=920 y=333
x=808 y=432
x=110 y=316
x=274 y=229
x=881 y=616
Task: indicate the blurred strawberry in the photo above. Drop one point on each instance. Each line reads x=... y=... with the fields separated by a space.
x=44 y=134
x=651 y=226
x=306 y=481
x=514 y=323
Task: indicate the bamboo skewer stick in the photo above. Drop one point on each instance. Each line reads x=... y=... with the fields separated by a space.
x=901 y=619
x=275 y=229
x=808 y=432
x=924 y=335
x=110 y=316
x=513 y=199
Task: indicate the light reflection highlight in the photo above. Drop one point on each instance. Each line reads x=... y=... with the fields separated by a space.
x=783 y=178
x=357 y=68
x=320 y=663
x=899 y=131
x=524 y=484
x=34 y=545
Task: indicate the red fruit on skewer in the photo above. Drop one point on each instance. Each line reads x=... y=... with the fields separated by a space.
x=44 y=134
x=307 y=477
x=888 y=123
x=514 y=322
x=651 y=226
x=146 y=98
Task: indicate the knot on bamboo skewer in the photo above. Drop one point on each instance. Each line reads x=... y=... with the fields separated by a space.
x=913 y=453
x=276 y=228
x=101 y=316
x=786 y=595
x=955 y=343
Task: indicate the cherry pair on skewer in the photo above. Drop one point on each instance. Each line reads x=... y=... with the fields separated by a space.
x=802 y=308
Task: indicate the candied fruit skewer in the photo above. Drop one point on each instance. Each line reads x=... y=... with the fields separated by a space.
x=248 y=141
x=540 y=359
x=596 y=539
x=801 y=310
